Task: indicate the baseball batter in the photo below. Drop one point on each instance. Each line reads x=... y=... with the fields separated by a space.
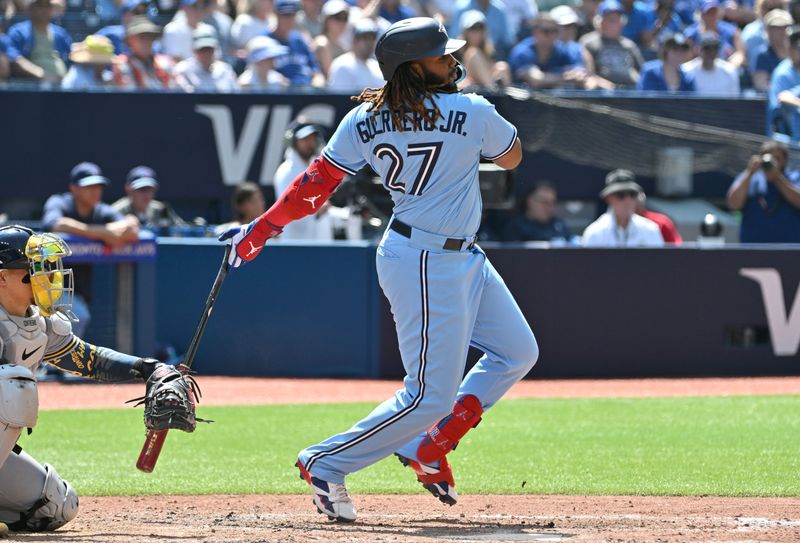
x=425 y=139
x=35 y=328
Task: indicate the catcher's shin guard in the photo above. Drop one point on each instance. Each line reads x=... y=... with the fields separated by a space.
x=438 y=481
x=445 y=435
x=331 y=499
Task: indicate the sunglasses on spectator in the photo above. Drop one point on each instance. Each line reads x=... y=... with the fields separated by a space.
x=621 y=195
x=340 y=17
x=710 y=47
x=547 y=29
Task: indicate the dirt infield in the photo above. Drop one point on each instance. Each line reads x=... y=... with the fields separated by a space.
x=420 y=518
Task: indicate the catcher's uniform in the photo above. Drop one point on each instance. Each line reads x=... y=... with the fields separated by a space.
x=32 y=496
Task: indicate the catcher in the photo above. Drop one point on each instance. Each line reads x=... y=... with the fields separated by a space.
x=35 y=328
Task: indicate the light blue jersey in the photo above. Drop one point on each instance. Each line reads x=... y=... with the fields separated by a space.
x=431 y=170
x=443 y=292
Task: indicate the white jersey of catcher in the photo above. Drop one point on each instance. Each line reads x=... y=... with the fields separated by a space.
x=30 y=340
x=430 y=169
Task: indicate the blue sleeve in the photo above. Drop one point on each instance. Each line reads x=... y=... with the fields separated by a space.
x=343 y=150
x=649 y=80
x=499 y=135
x=518 y=59
x=17 y=40
x=780 y=82
x=54 y=209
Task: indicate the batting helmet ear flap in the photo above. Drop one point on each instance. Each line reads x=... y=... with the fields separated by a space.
x=461 y=72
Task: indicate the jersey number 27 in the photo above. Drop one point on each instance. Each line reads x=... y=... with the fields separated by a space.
x=430 y=153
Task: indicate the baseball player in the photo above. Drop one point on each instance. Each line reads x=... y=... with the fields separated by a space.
x=35 y=328
x=426 y=140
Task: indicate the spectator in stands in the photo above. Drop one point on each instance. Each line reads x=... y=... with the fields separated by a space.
x=203 y=72
x=256 y=18
x=81 y=212
x=395 y=10
x=666 y=73
x=542 y=62
x=615 y=57
x=665 y=225
x=91 y=64
x=247 y=203
x=776 y=49
x=587 y=11
x=216 y=17
x=768 y=195
x=299 y=65
x=39 y=49
x=519 y=13
x=567 y=20
x=116 y=33
x=260 y=73
x=667 y=22
x=620 y=226
x=478 y=54
x=177 y=39
x=754 y=35
x=538 y=220
x=304 y=145
x=330 y=43
x=309 y=20
x=142 y=68
x=5 y=65
x=731 y=45
x=357 y=69
x=783 y=112
x=712 y=76
x=141 y=186
x=640 y=20
x=496 y=21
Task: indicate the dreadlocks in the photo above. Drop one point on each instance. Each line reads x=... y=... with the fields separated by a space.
x=405 y=96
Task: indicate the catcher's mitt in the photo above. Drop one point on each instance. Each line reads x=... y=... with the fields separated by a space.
x=169 y=399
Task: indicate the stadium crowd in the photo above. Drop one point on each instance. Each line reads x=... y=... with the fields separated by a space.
x=705 y=47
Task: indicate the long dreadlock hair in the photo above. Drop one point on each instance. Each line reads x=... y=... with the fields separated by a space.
x=405 y=96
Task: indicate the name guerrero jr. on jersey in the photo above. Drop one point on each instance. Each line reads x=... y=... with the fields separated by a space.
x=383 y=122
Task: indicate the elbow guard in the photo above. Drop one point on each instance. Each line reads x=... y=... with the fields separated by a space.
x=306 y=194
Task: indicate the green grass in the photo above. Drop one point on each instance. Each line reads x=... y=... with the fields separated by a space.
x=735 y=446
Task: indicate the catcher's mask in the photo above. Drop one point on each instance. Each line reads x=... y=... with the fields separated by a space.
x=52 y=284
x=40 y=254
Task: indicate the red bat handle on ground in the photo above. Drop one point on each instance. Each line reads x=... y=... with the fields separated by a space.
x=155 y=438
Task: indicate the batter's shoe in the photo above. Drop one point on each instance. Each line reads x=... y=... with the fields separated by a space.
x=331 y=499
x=438 y=481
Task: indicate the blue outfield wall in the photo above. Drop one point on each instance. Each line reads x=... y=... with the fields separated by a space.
x=295 y=311
x=305 y=310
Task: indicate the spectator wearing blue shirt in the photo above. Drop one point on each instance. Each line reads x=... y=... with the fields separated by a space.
x=116 y=33
x=496 y=20
x=537 y=221
x=777 y=22
x=665 y=74
x=731 y=45
x=40 y=48
x=299 y=65
x=81 y=212
x=783 y=113
x=567 y=20
x=754 y=35
x=640 y=22
x=543 y=62
x=395 y=10
x=768 y=195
